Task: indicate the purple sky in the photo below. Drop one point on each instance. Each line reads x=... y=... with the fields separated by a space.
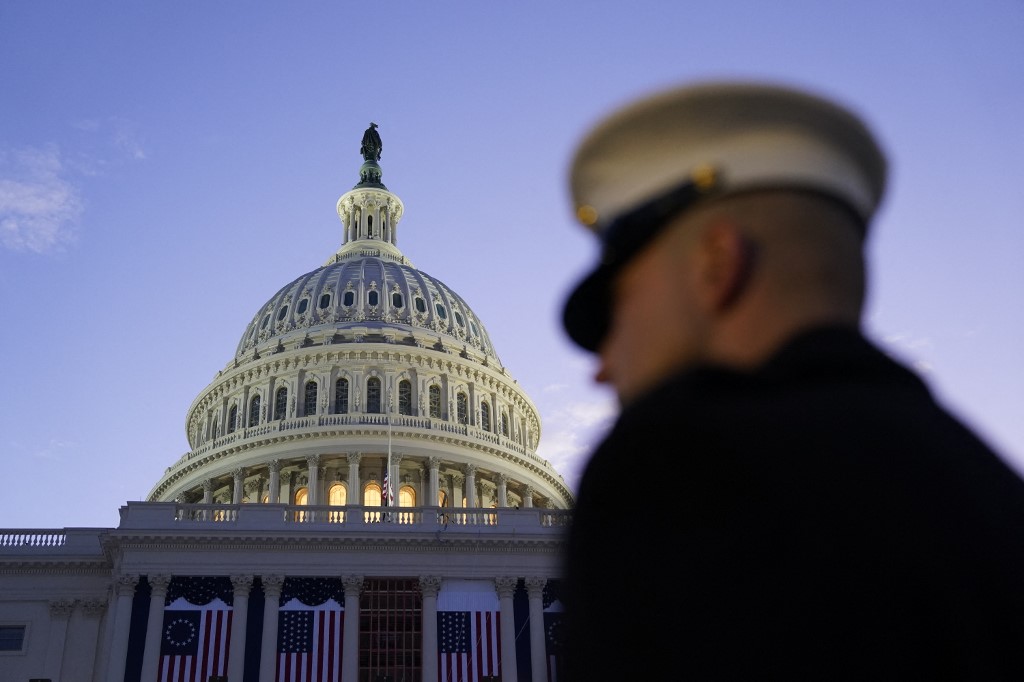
x=166 y=167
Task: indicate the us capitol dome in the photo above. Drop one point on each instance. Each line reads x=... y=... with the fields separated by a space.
x=362 y=361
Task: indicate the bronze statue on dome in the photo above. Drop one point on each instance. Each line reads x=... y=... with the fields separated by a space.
x=371 y=146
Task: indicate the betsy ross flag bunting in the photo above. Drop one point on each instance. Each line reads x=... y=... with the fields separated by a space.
x=468 y=631
x=196 y=629
x=309 y=629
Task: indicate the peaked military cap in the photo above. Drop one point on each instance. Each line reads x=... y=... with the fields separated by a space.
x=655 y=158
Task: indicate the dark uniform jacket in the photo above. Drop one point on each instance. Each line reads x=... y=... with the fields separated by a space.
x=820 y=518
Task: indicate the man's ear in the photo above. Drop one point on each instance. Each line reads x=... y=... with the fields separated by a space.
x=726 y=259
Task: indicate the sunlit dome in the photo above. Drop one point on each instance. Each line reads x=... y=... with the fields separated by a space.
x=362 y=364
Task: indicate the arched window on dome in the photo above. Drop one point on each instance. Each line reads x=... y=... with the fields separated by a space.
x=404 y=397
x=337 y=496
x=406 y=496
x=280 y=403
x=348 y=298
x=371 y=498
x=485 y=416
x=373 y=395
x=462 y=407
x=254 y=411
x=341 y=396
x=373 y=297
x=504 y=423
x=442 y=498
x=232 y=418
x=396 y=300
x=325 y=300
x=309 y=405
x=301 y=498
x=434 y=393
x=213 y=429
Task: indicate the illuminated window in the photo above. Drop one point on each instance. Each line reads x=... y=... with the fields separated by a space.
x=232 y=418
x=254 y=411
x=485 y=416
x=302 y=496
x=337 y=496
x=280 y=403
x=435 y=401
x=442 y=498
x=404 y=397
x=406 y=496
x=309 y=406
x=371 y=495
x=373 y=395
x=462 y=407
x=341 y=396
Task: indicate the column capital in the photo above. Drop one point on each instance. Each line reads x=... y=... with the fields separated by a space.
x=158 y=584
x=434 y=462
x=61 y=608
x=506 y=586
x=353 y=583
x=241 y=584
x=354 y=458
x=535 y=586
x=274 y=466
x=502 y=479
x=430 y=585
x=272 y=585
x=313 y=461
x=126 y=585
x=238 y=473
x=94 y=608
x=470 y=470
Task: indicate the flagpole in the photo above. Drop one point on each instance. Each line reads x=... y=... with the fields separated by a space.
x=387 y=473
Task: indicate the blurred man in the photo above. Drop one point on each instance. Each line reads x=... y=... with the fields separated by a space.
x=778 y=499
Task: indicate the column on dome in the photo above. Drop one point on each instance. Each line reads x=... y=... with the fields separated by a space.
x=506 y=586
x=430 y=585
x=434 y=482
x=275 y=481
x=158 y=585
x=122 y=622
x=238 y=489
x=350 y=633
x=313 y=465
x=355 y=495
x=207 y=491
x=60 y=614
x=471 y=500
x=528 y=497
x=538 y=652
x=272 y=585
x=239 y=618
x=502 y=490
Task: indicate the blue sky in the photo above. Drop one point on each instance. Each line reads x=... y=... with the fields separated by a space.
x=165 y=167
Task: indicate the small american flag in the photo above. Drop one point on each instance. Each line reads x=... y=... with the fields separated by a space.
x=309 y=646
x=468 y=645
x=553 y=638
x=194 y=644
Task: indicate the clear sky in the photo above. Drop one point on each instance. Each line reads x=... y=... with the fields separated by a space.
x=165 y=167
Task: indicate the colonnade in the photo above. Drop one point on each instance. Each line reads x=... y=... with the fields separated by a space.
x=430 y=586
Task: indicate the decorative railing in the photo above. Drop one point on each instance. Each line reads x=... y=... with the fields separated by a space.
x=33 y=538
x=302 y=517
x=319 y=422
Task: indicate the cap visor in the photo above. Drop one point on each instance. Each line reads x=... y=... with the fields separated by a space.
x=586 y=316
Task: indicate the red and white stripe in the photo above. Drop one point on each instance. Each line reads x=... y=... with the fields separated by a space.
x=484 y=657
x=212 y=658
x=323 y=663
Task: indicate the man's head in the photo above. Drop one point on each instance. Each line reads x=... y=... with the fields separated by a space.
x=730 y=216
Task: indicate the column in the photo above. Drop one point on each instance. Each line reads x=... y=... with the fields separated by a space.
x=268 y=647
x=92 y=611
x=60 y=613
x=528 y=497
x=471 y=485
x=122 y=622
x=429 y=586
x=506 y=587
x=434 y=482
x=502 y=490
x=237 y=489
x=275 y=481
x=154 y=625
x=355 y=493
x=208 y=491
x=313 y=471
x=350 y=636
x=239 y=620
x=538 y=632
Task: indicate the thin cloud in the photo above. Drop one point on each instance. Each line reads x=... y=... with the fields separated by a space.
x=39 y=207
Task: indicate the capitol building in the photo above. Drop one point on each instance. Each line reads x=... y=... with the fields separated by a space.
x=362 y=501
